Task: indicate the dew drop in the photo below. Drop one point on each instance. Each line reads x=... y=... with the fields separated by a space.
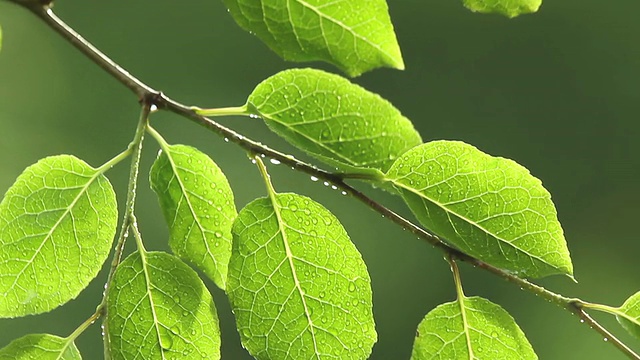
x=166 y=340
x=175 y=330
x=218 y=234
x=313 y=178
x=352 y=287
x=275 y=161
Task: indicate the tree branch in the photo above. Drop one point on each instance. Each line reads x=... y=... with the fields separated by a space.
x=149 y=96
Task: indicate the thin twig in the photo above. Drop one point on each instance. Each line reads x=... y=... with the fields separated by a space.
x=150 y=96
x=128 y=217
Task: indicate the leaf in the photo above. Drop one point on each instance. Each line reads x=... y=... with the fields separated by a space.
x=298 y=286
x=40 y=347
x=0 y=38
x=334 y=120
x=509 y=8
x=197 y=203
x=631 y=318
x=470 y=328
x=57 y=223
x=355 y=36
x=489 y=207
x=158 y=308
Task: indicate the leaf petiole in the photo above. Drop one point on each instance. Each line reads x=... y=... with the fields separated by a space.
x=461 y=302
x=226 y=111
x=611 y=310
x=265 y=175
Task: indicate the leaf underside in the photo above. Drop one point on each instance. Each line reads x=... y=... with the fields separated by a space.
x=158 y=308
x=470 y=328
x=489 y=207
x=40 y=347
x=355 y=36
x=334 y=120
x=57 y=223
x=298 y=286
x=631 y=308
x=197 y=203
x=508 y=8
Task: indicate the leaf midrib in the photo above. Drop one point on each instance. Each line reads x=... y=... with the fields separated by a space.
x=281 y=229
x=465 y=326
x=147 y=278
x=347 y=28
x=67 y=211
x=473 y=223
x=193 y=214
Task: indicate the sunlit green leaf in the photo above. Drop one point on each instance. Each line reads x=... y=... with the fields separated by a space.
x=470 y=328
x=355 y=36
x=198 y=206
x=631 y=308
x=298 y=286
x=0 y=37
x=158 y=308
x=489 y=207
x=334 y=120
x=509 y=8
x=57 y=223
x=40 y=347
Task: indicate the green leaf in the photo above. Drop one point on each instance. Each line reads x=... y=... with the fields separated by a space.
x=40 y=347
x=334 y=120
x=0 y=38
x=57 y=223
x=470 y=328
x=509 y=8
x=197 y=203
x=631 y=318
x=158 y=308
x=489 y=207
x=355 y=36
x=298 y=286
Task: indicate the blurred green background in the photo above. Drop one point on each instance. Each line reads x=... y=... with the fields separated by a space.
x=557 y=91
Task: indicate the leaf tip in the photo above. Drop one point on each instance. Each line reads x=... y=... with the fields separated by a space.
x=510 y=9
